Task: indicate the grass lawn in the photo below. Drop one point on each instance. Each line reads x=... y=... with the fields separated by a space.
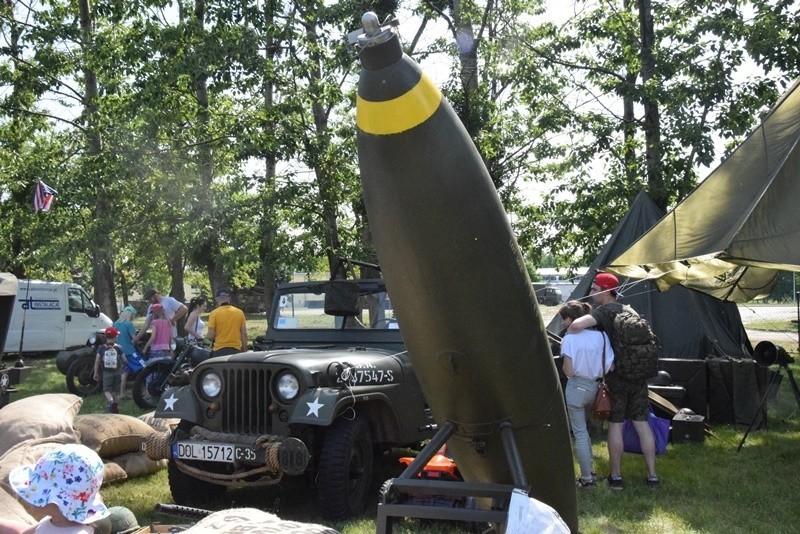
x=706 y=488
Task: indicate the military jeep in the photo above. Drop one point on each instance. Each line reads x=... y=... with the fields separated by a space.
x=328 y=386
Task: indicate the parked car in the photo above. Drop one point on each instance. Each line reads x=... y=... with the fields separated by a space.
x=328 y=386
x=547 y=295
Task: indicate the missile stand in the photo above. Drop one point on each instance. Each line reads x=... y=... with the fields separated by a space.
x=391 y=503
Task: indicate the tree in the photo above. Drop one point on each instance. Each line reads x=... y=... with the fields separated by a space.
x=679 y=72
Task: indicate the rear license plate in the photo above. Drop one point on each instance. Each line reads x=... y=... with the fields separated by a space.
x=213 y=452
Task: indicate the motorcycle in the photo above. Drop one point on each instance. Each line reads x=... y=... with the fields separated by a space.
x=159 y=374
x=79 y=366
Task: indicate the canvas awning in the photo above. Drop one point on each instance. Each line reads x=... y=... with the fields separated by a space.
x=740 y=226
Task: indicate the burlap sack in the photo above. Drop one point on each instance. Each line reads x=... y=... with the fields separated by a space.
x=113 y=473
x=162 y=425
x=110 y=434
x=24 y=454
x=253 y=520
x=137 y=464
x=33 y=418
x=10 y=508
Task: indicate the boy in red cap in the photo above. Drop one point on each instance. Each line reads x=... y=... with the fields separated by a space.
x=111 y=358
x=629 y=397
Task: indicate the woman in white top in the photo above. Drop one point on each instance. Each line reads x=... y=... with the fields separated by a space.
x=583 y=365
x=194 y=325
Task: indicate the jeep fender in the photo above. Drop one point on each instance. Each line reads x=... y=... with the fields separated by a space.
x=321 y=406
x=179 y=402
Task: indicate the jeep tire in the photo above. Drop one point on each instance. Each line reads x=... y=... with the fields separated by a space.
x=345 y=468
x=190 y=491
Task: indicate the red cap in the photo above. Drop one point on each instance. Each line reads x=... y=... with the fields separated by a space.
x=111 y=332
x=156 y=308
x=606 y=281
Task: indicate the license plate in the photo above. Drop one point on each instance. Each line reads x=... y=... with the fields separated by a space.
x=213 y=452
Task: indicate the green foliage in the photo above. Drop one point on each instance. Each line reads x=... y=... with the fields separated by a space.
x=225 y=144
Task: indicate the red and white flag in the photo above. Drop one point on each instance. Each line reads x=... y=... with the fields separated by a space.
x=43 y=197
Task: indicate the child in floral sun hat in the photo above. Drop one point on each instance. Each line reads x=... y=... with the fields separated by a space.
x=64 y=486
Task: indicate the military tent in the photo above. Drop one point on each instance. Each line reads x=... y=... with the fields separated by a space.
x=690 y=325
x=739 y=227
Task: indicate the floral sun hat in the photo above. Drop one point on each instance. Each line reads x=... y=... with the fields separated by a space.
x=69 y=476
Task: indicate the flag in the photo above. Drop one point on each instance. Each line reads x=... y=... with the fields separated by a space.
x=43 y=197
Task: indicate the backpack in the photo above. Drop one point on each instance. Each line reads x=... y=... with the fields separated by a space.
x=636 y=347
x=110 y=358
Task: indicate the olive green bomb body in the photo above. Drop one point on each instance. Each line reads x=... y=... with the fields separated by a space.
x=458 y=282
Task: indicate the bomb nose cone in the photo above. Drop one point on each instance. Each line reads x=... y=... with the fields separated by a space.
x=371 y=23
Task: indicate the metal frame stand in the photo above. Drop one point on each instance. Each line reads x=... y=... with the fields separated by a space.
x=408 y=483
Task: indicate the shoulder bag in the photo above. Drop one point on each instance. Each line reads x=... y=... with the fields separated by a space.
x=602 y=400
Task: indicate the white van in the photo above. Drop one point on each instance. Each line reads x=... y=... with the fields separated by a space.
x=52 y=316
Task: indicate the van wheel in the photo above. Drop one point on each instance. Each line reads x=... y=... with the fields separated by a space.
x=345 y=469
x=80 y=377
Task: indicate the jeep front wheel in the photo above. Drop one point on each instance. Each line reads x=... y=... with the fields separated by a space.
x=190 y=491
x=345 y=469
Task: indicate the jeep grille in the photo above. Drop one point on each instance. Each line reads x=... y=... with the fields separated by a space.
x=245 y=401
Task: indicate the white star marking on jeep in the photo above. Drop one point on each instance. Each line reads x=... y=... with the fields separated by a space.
x=4 y=381
x=313 y=407
x=169 y=402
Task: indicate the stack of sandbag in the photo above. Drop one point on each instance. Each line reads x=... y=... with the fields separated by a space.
x=118 y=439
x=30 y=428
x=256 y=521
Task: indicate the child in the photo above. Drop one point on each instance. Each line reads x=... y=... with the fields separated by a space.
x=114 y=363
x=162 y=333
x=125 y=340
x=63 y=486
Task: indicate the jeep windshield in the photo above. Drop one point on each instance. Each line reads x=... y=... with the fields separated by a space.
x=335 y=305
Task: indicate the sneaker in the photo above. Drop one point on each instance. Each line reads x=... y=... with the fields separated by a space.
x=113 y=407
x=616 y=483
x=652 y=482
x=583 y=483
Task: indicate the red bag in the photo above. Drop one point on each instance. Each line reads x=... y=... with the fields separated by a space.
x=602 y=403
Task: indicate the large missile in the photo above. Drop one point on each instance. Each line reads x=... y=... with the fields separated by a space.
x=457 y=279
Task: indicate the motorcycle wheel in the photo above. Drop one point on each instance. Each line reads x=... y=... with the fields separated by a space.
x=80 y=377
x=150 y=383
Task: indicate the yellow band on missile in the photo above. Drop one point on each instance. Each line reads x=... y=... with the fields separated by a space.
x=401 y=113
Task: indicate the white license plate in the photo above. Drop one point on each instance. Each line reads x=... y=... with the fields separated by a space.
x=212 y=452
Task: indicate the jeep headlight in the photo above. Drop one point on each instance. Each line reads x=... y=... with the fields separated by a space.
x=211 y=384
x=287 y=386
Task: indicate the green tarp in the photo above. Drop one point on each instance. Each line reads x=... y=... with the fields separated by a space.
x=740 y=226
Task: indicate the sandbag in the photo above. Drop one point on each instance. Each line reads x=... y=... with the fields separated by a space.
x=137 y=464
x=27 y=453
x=10 y=508
x=253 y=520
x=110 y=434
x=158 y=423
x=113 y=473
x=50 y=416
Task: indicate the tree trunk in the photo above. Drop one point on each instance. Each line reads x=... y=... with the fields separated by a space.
x=216 y=271
x=102 y=246
x=176 y=273
x=269 y=223
x=652 y=127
